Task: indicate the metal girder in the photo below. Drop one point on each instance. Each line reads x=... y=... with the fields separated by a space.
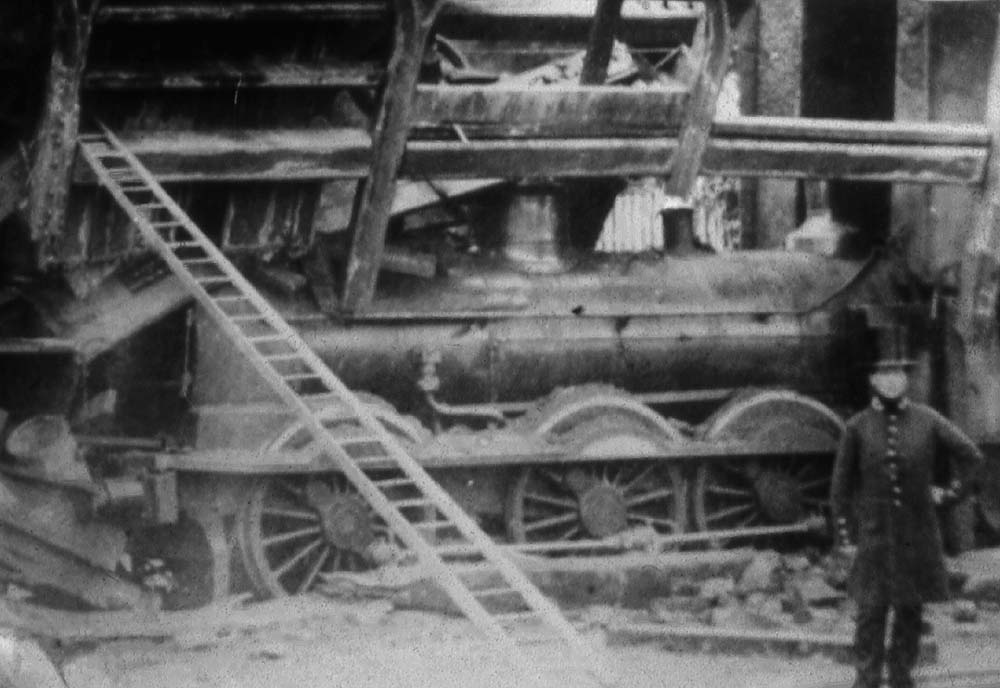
x=373 y=206
x=782 y=147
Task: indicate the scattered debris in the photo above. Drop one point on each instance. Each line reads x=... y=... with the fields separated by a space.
x=764 y=574
x=717 y=590
x=23 y=664
x=815 y=591
x=982 y=571
x=965 y=611
x=743 y=641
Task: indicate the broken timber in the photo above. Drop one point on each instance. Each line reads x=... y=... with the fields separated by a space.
x=373 y=206
x=749 y=146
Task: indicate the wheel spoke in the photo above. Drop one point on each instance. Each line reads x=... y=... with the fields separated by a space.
x=552 y=477
x=642 y=474
x=310 y=578
x=651 y=496
x=301 y=514
x=294 y=560
x=563 y=502
x=813 y=484
x=731 y=511
x=667 y=523
x=728 y=491
x=290 y=488
x=568 y=535
x=549 y=522
x=290 y=535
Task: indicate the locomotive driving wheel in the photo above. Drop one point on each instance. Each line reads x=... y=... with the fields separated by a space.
x=594 y=500
x=291 y=530
x=746 y=492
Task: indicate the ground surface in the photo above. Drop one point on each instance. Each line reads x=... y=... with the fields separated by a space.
x=365 y=645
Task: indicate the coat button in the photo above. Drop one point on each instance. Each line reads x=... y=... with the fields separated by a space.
x=897 y=503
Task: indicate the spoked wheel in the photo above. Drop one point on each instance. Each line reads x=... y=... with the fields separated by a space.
x=590 y=500
x=768 y=491
x=291 y=530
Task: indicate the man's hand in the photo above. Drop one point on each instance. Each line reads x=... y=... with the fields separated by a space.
x=839 y=565
x=941 y=496
x=846 y=553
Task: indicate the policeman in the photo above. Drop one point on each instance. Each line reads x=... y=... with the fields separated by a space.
x=883 y=477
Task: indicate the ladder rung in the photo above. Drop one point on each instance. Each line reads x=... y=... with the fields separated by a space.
x=169 y=223
x=248 y=318
x=197 y=261
x=212 y=280
x=516 y=616
x=293 y=377
x=393 y=482
x=494 y=592
x=183 y=244
x=267 y=338
x=149 y=206
x=229 y=299
x=433 y=525
x=405 y=503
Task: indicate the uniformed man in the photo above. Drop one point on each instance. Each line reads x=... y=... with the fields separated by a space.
x=884 y=477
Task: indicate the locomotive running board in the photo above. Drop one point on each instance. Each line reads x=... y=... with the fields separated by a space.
x=301 y=379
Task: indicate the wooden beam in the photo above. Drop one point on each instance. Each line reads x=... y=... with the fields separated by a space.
x=980 y=283
x=502 y=110
x=344 y=154
x=640 y=27
x=166 y=12
x=414 y=20
x=600 y=42
x=697 y=126
x=55 y=139
x=218 y=75
x=13 y=181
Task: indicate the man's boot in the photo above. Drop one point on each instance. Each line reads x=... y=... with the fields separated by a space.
x=904 y=648
x=869 y=646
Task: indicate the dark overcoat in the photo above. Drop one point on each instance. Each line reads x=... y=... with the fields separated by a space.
x=882 y=477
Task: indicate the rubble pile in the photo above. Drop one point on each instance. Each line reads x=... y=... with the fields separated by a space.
x=774 y=592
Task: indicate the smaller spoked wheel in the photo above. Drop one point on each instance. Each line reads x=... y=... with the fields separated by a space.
x=775 y=490
x=292 y=530
x=749 y=493
x=594 y=501
x=598 y=499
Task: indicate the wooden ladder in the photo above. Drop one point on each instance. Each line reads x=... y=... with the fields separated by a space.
x=304 y=382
